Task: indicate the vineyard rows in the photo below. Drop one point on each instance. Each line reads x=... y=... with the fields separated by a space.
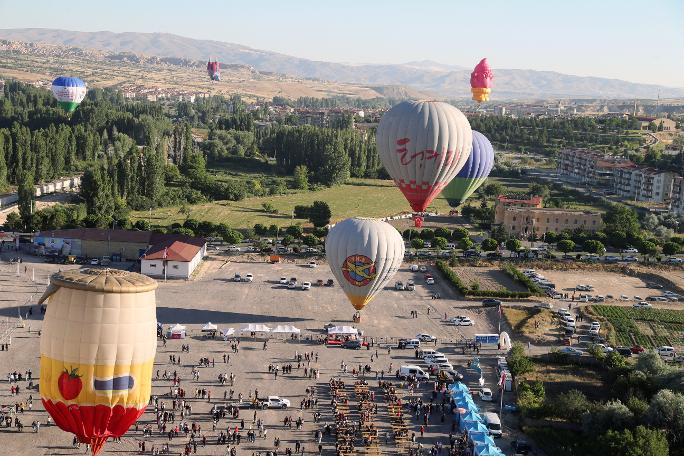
x=667 y=326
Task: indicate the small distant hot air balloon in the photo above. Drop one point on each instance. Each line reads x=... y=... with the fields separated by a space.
x=97 y=351
x=474 y=172
x=481 y=81
x=423 y=145
x=69 y=92
x=363 y=255
x=214 y=70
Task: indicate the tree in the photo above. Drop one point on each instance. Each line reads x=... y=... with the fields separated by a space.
x=611 y=415
x=417 y=243
x=621 y=218
x=287 y=239
x=320 y=213
x=671 y=248
x=493 y=189
x=295 y=231
x=310 y=240
x=459 y=233
x=513 y=245
x=427 y=234
x=301 y=177
x=440 y=243
x=539 y=190
x=269 y=208
x=666 y=411
x=411 y=233
x=596 y=247
x=142 y=225
x=466 y=244
x=27 y=196
x=571 y=404
x=443 y=232
x=518 y=362
x=648 y=248
x=489 y=245
x=642 y=441
x=566 y=245
x=531 y=397
x=260 y=229
x=232 y=237
x=13 y=222
x=334 y=169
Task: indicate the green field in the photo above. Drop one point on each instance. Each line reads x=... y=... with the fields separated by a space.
x=359 y=197
x=646 y=327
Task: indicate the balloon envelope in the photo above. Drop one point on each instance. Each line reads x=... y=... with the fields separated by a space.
x=97 y=350
x=214 y=70
x=363 y=255
x=474 y=172
x=423 y=145
x=69 y=92
x=481 y=81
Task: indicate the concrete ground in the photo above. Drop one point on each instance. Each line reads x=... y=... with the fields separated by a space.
x=214 y=297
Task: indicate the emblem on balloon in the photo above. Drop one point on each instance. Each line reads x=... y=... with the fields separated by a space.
x=359 y=270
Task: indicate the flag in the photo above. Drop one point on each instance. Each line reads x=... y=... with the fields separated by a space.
x=166 y=252
x=502 y=380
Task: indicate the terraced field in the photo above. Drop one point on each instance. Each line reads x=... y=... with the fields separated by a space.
x=646 y=327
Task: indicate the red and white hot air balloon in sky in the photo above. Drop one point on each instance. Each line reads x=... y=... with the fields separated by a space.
x=423 y=145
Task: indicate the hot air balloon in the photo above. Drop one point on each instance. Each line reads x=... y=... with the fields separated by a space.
x=423 y=145
x=481 y=81
x=97 y=351
x=69 y=92
x=214 y=70
x=363 y=255
x=474 y=172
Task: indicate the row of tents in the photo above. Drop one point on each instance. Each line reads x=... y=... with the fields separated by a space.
x=179 y=331
x=471 y=422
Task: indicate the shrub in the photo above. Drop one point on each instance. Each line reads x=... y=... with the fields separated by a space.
x=516 y=274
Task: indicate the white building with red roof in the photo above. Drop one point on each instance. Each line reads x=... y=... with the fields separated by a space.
x=173 y=256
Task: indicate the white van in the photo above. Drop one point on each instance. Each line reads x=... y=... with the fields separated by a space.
x=436 y=359
x=667 y=353
x=493 y=424
x=412 y=343
x=427 y=352
x=413 y=370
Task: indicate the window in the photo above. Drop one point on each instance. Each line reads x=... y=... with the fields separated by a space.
x=575 y=221
x=152 y=265
x=512 y=228
x=556 y=220
x=566 y=221
x=593 y=222
x=514 y=218
x=547 y=220
x=175 y=266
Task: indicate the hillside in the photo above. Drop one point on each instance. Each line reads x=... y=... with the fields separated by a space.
x=443 y=80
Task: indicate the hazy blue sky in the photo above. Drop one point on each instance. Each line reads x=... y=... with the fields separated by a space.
x=632 y=40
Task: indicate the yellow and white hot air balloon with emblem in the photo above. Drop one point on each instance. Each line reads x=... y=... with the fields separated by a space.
x=97 y=351
x=363 y=255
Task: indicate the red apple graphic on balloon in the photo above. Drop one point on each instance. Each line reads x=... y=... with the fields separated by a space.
x=70 y=384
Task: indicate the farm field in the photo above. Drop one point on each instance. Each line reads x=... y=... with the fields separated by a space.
x=487 y=279
x=358 y=197
x=646 y=327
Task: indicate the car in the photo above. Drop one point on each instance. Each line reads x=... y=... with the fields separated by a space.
x=430 y=281
x=435 y=359
x=352 y=344
x=675 y=260
x=491 y=302
x=410 y=285
x=248 y=278
x=413 y=268
x=237 y=277
x=94 y=262
x=424 y=337
x=654 y=285
x=409 y=343
x=422 y=268
x=330 y=283
x=511 y=408
x=312 y=264
x=283 y=281
x=666 y=352
x=439 y=363
x=462 y=321
x=399 y=286
x=611 y=259
x=624 y=351
x=486 y=394
x=679 y=359
x=544 y=305
x=292 y=285
x=233 y=248
x=631 y=259
x=630 y=250
x=306 y=285
x=277 y=402
x=604 y=348
x=643 y=305
x=328 y=325
x=571 y=351
x=520 y=447
x=636 y=349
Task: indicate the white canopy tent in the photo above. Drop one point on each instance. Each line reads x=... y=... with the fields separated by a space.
x=177 y=332
x=505 y=341
x=286 y=329
x=228 y=332
x=255 y=327
x=343 y=330
x=209 y=327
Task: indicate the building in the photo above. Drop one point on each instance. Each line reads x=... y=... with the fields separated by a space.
x=677 y=196
x=170 y=255
x=643 y=184
x=590 y=167
x=664 y=124
x=523 y=218
x=173 y=256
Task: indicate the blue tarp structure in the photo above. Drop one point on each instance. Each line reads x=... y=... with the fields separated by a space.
x=481 y=438
x=470 y=425
x=487 y=450
x=471 y=415
x=458 y=386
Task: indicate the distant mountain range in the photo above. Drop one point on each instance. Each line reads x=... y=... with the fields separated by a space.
x=442 y=80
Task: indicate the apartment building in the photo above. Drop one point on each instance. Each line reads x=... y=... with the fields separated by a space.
x=677 y=197
x=524 y=217
x=643 y=184
x=590 y=167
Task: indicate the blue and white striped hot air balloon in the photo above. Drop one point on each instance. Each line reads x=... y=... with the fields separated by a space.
x=69 y=92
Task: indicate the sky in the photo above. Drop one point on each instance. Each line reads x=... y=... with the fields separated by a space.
x=631 y=40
